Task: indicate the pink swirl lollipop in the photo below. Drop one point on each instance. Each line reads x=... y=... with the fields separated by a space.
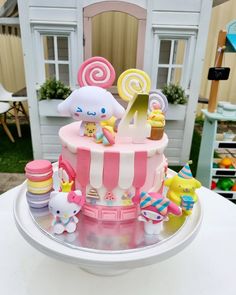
x=96 y=71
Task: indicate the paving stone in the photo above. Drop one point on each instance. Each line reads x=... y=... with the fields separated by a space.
x=10 y=180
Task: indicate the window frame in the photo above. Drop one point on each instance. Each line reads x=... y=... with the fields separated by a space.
x=183 y=33
x=70 y=33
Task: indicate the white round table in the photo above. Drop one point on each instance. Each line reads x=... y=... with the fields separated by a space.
x=206 y=266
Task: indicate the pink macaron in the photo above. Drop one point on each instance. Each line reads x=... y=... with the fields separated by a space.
x=39 y=170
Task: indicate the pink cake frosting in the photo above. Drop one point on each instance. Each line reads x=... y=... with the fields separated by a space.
x=111 y=177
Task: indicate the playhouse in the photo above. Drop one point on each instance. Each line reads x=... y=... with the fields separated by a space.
x=167 y=39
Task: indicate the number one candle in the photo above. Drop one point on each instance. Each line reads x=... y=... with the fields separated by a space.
x=134 y=85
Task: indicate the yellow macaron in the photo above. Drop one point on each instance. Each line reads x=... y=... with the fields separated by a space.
x=39 y=187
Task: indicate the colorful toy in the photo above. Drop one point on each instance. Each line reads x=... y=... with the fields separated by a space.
x=91 y=104
x=181 y=186
x=225 y=163
x=233 y=188
x=213 y=185
x=133 y=81
x=64 y=206
x=106 y=136
x=154 y=210
x=156 y=119
x=225 y=184
x=89 y=129
x=215 y=165
x=96 y=71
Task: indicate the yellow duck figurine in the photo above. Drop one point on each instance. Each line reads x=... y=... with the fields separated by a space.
x=182 y=189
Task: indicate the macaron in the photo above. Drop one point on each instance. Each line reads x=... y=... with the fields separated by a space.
x=39 y=170
x=38 y=201
x=39 y=187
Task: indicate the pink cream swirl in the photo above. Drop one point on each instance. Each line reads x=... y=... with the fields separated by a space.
x=96 y=71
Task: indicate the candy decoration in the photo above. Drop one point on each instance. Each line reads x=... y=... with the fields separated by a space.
x=131 y=82
x=96 y=71
x=106 y=136
x=157 y=100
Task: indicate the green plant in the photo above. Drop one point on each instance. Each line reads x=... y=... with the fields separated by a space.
x=175 y=94
x=54 y=89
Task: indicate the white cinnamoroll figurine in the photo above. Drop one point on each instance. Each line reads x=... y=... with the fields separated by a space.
x=91 y=105
x=64 y=206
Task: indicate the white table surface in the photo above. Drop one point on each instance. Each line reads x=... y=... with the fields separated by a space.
x=207 y=266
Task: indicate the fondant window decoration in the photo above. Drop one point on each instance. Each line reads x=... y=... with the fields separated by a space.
x=182 y=188
x=154 y=210
x=92 y=103
x=64 y=206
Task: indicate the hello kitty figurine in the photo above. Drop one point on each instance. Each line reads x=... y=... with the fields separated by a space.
x=154 y=211
x=64 y=206
x=91 y=105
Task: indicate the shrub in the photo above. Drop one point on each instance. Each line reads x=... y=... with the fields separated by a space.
x=175 y=94
x=54 y=89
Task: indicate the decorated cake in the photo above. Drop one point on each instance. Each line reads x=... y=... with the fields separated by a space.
x=111 y=168
x=112 y=165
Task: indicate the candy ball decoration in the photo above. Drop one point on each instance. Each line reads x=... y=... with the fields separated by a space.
x=96 y=71
x=157 y=100
x=131 y=82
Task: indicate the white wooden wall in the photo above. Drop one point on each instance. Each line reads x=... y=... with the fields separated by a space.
x=164 y=14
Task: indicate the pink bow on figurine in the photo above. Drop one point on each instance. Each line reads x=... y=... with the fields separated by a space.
x=74 y=198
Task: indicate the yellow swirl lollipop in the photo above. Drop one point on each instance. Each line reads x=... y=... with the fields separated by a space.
x=133 y=81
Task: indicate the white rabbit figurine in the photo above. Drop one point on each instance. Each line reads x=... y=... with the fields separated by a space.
x=64 y=206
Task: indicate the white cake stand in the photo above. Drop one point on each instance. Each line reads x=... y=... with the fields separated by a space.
x=100 y=262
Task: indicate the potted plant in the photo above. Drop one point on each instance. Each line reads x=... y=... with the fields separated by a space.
x=177 y=99
x=50 y=94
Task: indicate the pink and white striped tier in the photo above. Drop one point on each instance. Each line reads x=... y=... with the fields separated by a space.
x=111 y=177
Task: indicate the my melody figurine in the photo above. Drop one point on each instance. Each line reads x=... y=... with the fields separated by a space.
x=64 y=206
x=154 y=210
x=182 y=188
x=92 y=103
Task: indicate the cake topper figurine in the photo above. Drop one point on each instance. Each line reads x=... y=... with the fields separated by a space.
x=92 y=104
x=64 y=206
x=154 y=211
x=182 y=188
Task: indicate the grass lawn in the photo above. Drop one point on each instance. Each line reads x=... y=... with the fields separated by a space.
x=14 y=156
